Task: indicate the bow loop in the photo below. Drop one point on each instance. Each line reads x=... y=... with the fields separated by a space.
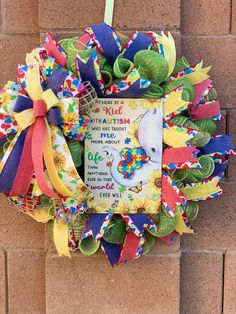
x=50 y=99
x=26 y=109
x=54 y=116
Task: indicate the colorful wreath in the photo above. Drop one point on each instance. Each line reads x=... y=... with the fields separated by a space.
x=55 y=133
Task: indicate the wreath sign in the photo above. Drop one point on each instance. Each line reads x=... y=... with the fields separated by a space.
x=48 y=134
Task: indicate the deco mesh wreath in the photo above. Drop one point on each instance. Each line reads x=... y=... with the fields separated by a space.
x=48 y=116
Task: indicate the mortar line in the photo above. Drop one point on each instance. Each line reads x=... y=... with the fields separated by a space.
x=223 y=284
x=29 y=250
x=2 y=17
x=1 y=4
x=228 y=36
x=207 y=251
x=180 y=279
x=231 y=16
x=45 y=284
x=6 y=283
x=175 y=30
x=74 y=30
x=227 y=124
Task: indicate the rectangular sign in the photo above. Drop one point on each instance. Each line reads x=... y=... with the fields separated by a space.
x=123 y=156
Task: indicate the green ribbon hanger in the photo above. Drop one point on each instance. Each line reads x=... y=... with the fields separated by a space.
x=109 y=8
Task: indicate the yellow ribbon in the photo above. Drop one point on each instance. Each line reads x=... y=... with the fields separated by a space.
x=172 y=136
x=41 y=214
x=169 y=49
x=199 y=75
x=173 y=101
x=181 y=227
x=26 y=118
x=203 y=190
x=33 y=57
x=60 y=236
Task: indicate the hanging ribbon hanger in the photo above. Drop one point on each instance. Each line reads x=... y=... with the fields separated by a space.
x=109 y=8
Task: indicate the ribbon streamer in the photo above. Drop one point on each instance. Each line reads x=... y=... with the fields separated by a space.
x=206 y=110
x=60 y=236
x=203 y=190
x=137 y=42
x=179 y=158
x=106 y=40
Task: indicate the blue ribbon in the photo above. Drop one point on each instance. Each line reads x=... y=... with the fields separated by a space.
x=219 y=169
x=141 y=42
x=8 y=174
x=56 y=79
x=218 y=144
x=87 y=72
x=94 y=224
x=140 y=220
x=112 y=252
x=133 y=91
x=104 y=34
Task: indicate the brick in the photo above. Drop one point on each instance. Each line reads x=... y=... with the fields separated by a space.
x=231 y=121
x=26 y=282
x=230 y=282
x=77 y=14
x=2 y=62
x=177 y=38
x=90 y=285
x=16 y=48
x=222 y=125
x=3 y=305
x=21 y=16
x=201 y=283
x=215 y=226
x=161 y=247
x=233 y=17
x=147 y=15
x=1 y=16
x=203 y=16
x=18 y=230
x=61 y=34
x=49 y=244
x=57 y=14
x=218 y=52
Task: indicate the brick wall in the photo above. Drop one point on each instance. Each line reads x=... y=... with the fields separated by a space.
x=197 y=276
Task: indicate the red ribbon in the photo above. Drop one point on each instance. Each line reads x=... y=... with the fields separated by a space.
x=32 y=155
x=200 y=88
x=53 y=52
x=25 y=169
x=169 y=195
x=205 y=111
x=179 y=155
x=130 y=247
